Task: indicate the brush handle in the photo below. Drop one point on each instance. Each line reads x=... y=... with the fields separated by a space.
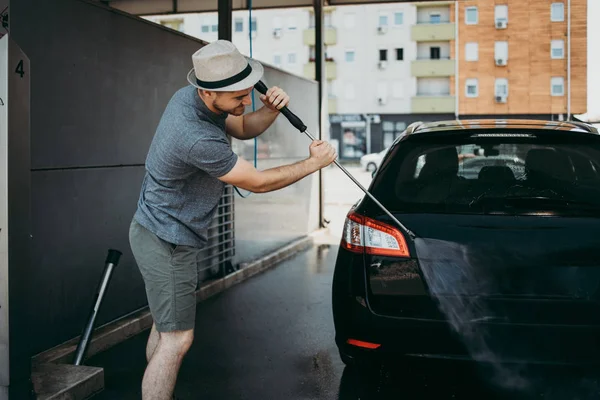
x=293 y=118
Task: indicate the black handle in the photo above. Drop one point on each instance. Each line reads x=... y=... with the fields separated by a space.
x=294 y=120
x=113 y=257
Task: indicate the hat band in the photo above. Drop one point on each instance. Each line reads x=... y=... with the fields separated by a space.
x=225 y=82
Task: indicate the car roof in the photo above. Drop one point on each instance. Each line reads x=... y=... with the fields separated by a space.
x=474 y=124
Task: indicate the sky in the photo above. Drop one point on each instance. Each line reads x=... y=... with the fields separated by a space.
x=593 y=49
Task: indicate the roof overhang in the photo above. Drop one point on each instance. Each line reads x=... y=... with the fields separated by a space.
x=156 y=7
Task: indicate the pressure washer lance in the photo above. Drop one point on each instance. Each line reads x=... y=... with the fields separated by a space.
x=298 y=124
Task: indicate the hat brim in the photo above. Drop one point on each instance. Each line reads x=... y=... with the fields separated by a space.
x=247 y=82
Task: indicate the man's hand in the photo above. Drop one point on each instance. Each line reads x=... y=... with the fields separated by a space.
x=275 y=99
x=321 y=153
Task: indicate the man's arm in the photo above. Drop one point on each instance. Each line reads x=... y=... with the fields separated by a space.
x=253 y=124
x=245 y=176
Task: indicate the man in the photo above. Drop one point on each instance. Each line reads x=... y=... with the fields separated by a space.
x=189 y=162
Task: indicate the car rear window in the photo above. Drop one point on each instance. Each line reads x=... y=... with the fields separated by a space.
x=493 y=172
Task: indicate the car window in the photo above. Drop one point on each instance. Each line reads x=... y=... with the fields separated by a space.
x=474 y=175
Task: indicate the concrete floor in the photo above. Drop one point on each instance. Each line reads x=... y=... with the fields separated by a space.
x=272 y=338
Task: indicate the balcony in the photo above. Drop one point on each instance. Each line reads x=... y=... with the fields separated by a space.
x=427 y=32
x=329 y=33
x=433 y=104
x=426 y=68
x=330 y=70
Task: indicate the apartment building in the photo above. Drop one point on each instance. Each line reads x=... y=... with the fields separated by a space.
x=376 y=73
x=522 y=58
x=391 y=64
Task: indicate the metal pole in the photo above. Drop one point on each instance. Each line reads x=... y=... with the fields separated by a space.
x=319 y=77
x=112 y=260
x=225 y=20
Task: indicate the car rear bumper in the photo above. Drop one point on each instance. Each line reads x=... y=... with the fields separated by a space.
x=483 y=342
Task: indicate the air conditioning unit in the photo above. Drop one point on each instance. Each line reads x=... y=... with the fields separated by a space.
x=501 y=24
x=381 y=100
x=382 y=29
x=501 y=99
x=277 y=33
x=382 y=64
x=500 y=61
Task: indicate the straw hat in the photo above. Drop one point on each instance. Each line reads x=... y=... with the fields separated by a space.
x=219 y=66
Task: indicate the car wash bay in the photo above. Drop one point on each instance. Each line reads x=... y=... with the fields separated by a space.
x=86 y=86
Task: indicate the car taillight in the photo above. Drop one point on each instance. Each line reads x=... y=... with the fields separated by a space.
x=365 y=235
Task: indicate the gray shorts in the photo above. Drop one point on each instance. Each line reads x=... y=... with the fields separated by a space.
x=170 y=275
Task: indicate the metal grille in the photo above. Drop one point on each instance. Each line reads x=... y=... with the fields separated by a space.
x=215 y=258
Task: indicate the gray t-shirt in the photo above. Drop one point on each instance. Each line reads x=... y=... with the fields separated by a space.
x=180 y=191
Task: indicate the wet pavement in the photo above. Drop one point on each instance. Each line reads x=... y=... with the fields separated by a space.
x=272 y=337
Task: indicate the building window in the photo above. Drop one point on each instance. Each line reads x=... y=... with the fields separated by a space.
x=557 y=12
x=383 y=55
x=399 y=54
x=501 y=13
x=350 y=55
x=205 y=28
x=398 y=18
x=472 y=89
x=558 y=86
x=435 y=18
x=349 y=20
x=471 y=16
x=253 y=25
x=349 y=91
x=398 y=90
x=434 y=53
x=501 y=51
x=557 y=49
x=291 y=24
x=277 y=59
x=501 y=88
x=383 y=20
x=471 y=51
x=214 y=27
x=292 y=58
x=239 y=25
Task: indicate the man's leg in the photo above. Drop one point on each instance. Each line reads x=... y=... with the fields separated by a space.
x=170 y=277
x=161 y=373
x=152 y=342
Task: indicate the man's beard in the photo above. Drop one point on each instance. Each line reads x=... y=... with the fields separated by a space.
x=233 y=111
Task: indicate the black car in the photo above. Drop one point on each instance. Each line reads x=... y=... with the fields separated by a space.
x=500 y=265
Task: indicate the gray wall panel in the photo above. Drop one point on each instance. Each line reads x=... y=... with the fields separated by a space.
x=102 y=81
x=77 y=216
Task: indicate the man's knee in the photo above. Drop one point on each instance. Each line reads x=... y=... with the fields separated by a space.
x=178 y=341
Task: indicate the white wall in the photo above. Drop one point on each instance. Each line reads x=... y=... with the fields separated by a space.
x=4 y=360
x=363 y=74
x=265 y=45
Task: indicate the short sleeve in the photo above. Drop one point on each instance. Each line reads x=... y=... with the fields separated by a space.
x=212 y=155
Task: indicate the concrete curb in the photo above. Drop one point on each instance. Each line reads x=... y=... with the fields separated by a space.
x=113 y=333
